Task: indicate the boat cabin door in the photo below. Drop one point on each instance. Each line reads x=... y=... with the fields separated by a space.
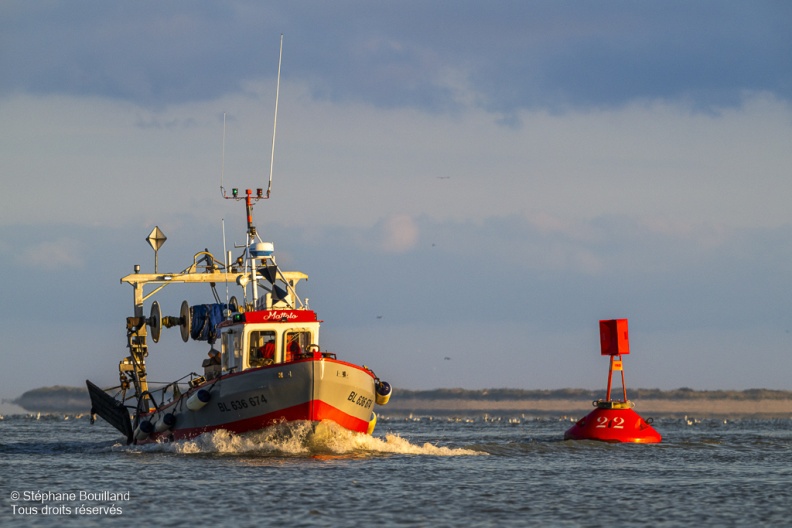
x=232 y=350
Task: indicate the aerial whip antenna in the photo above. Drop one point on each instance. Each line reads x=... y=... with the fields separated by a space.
x=259 y=192
x=222 y=166
x=275 y=123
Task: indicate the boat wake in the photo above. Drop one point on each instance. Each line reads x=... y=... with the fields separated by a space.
x=302 y=439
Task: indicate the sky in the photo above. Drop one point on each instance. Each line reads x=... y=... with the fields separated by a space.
x=477 y=181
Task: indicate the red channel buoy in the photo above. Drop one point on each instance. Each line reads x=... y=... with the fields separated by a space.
x=614 y=421
x=613 y=424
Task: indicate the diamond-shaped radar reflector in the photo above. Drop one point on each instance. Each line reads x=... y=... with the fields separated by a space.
x=156 y=238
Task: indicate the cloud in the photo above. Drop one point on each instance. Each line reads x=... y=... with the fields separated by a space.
x=399 y=234
x=50 y=255
x=513 y=57
x=646 y=160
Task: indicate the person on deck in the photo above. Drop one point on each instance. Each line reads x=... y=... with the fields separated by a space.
x=293 y=349
x=267 y=352
x=212 y=365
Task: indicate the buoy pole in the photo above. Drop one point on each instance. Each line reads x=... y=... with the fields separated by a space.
x=615 y=363
x=610 y=378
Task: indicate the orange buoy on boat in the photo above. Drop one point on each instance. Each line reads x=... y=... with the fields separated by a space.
x=614 y=420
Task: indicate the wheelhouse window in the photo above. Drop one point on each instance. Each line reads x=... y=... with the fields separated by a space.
x=262 y=348
x=295 y=344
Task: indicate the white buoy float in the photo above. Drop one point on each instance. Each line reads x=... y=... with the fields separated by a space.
x=164 y=422
x=143 y=430
x=198 y=400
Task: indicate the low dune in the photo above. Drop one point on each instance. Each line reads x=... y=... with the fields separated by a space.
x=647 y=407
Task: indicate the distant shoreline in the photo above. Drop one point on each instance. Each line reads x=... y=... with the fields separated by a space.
x=578 y=402
x=714 y=408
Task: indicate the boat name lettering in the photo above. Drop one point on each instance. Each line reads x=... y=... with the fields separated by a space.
x=243 y=403
x=360 y=400
x=281 y=315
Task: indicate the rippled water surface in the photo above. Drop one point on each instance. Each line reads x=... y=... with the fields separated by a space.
x=418 y=471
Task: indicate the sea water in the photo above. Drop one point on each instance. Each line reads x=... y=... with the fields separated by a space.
x=428 y=471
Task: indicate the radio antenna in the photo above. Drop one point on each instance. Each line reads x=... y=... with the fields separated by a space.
x=222 y=166
x=259 y=192
x=275 y=123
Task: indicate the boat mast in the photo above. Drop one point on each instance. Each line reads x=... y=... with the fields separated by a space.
x=251 y=239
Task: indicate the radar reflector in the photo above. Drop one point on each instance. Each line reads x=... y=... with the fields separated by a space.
x=156 y=238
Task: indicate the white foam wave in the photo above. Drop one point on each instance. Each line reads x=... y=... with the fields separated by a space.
x=303 y=439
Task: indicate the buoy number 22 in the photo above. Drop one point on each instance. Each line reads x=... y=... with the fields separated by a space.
x=602 y=422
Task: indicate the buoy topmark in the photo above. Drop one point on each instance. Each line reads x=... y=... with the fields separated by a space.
x=614 y=420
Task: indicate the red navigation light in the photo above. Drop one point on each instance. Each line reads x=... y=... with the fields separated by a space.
x=259 y=192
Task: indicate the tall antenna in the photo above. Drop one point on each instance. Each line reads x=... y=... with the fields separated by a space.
x=275 y=123
x=222 y=167
x=259 y=192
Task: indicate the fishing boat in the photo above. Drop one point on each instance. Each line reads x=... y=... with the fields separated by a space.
x=264 y=366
